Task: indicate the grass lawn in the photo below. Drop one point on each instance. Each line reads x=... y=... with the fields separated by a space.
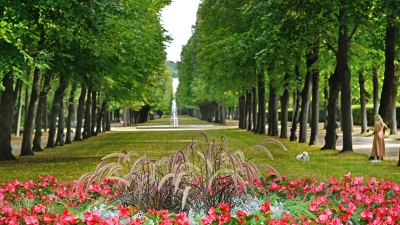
x=71 y=161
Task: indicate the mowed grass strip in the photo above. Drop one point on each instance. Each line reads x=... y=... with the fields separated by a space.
x=71 y=161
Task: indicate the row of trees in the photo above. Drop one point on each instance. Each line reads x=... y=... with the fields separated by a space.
x=241 y=52
x=104 y=54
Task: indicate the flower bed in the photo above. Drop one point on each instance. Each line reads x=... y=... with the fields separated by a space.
x=302 y=201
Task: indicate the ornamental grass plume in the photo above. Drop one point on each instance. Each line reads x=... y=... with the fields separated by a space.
x=195 y=179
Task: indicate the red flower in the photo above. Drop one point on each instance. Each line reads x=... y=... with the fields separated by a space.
x=224 y=207
x=124 y=211
x=182 y=219
x=136 y=221
x=92 y=218
x=265 y=207
x=241 y=216
x=46 y=218
x=111 y=221
x=224 y=218
x=206 y=220
x=67 y=218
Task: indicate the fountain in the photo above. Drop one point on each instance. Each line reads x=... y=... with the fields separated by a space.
x=174 y=114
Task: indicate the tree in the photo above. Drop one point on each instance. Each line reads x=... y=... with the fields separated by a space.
x=391 y=8
x=41 y=113
x=6 y=106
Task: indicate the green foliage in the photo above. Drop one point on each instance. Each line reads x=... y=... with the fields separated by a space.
x=173 y=67
x=118 y=47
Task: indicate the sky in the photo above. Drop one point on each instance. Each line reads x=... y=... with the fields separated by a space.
x=178 y=18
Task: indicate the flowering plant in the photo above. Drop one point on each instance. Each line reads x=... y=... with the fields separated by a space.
x=351 y=200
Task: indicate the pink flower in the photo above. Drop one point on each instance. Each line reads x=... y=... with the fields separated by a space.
x=257 y=182
x=389 y=220
x=366 y=215
x=323 y=218
x=351 y=208
x=39 y=208
x=92 y=218
x=313 y=206
x=31 y=220
x=10 y=221
x=211 y=212
x=347 y=176
x=7 y=210
x=321 y=200
x=336 y=221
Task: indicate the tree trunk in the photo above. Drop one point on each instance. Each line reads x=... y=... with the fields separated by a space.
x=315 y=101
x=392 y=108
x=60 y=126
x=261 y=103
x=334 y=89
x=272 y=111
x=16 y=101
x=40 y=114
x=26 y=147
x=314 y=124
x=79 y=121
x=242 y=112
x=248 y=110
x=86 y=128
x=6 y=114
x=295 y=117
x=389 y=71
x=104 y=118
x=254 y=110
x=100 y=117
x=68 y=139
x=345 y=79
x=124 y=117
x=305 y=99
x=108 y=121
x=55 y=109
x=26 y=101
x=145 y=112
x=94 y=113
x=363 y=102
x=17 y=92
x=223 y=113
x=284 y=107
x=375 y=80
x=45 y=118
x=326 y=95
x=18 y=126
x=216 y=111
